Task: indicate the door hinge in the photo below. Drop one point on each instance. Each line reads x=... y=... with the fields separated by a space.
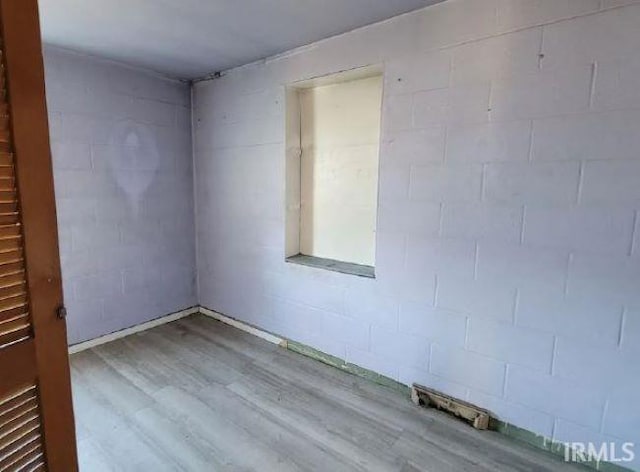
x=61 y=312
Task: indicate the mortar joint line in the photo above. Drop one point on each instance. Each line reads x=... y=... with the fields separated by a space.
x=580 y=182
x=530 y=153
x=504 y=381
x=566 y=275
x=445 y=144
x=483 y=173
x=541 y=48
x=522 y=223
x=435 y=291
x=605 y=410
x=592 y=85
x=623 y=322
x=476 y=258
x=490 y=101
x=634 y=232
x=516 y=307
x=467 y=322
x=554 y=353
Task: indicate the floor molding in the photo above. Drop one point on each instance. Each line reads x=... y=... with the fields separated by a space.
x=507 y=429
x=134 y=329
x=241 y=325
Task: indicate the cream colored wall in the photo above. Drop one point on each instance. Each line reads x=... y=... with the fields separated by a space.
x=340 y=134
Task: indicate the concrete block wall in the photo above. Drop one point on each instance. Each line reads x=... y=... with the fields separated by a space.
x=125 y=213
x=508 y=241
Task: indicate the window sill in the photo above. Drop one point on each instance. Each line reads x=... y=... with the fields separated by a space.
x=333 y=265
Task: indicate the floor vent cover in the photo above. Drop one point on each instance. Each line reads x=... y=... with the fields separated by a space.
x=477 y=417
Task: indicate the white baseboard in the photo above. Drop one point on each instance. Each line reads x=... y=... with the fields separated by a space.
x=134 y=329
x=272 y=338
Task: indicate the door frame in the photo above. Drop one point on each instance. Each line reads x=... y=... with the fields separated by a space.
x=34 y=173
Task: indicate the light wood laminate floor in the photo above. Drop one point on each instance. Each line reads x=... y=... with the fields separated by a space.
x=198 y=395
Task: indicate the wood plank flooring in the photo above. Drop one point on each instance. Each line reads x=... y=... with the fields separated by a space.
x=198 y=395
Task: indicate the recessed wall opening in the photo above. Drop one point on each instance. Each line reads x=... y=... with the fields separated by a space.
x=333 y=136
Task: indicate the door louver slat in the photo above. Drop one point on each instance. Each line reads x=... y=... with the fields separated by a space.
x=36 y=414
x=21 y=442
x=15 y=323
x=20 y=437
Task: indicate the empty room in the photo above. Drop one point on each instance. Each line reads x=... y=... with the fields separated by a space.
x=337 y=235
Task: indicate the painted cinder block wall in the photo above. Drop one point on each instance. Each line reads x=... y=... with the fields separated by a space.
x=508 y=247
x=125 y=216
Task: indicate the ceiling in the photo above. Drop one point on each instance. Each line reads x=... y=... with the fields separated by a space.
x=192 y=38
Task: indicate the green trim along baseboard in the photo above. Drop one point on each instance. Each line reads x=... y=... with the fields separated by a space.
x=347 y=367
x=514 y=432
x=509 y=430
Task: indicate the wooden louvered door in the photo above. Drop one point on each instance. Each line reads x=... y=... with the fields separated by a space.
x=36 y=415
